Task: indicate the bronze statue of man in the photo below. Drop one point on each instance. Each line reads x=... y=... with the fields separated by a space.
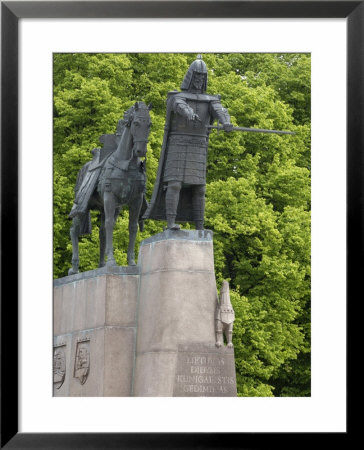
x=179 y=191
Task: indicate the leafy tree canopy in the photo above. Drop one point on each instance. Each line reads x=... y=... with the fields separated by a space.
x=257 y=198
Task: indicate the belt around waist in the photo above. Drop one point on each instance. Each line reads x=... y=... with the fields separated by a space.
x=176 y=133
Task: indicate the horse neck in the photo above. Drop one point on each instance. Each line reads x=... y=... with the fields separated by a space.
x=123 y=152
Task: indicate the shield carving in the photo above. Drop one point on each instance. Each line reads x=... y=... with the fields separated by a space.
x=59 y=367
x=227 y=315
x=82 y=361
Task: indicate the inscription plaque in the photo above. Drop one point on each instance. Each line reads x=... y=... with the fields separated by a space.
x=203 y=370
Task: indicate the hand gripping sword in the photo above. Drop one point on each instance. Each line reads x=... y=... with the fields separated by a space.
x=251 y=130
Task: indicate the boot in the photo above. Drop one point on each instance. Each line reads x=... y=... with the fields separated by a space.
x=171 y=224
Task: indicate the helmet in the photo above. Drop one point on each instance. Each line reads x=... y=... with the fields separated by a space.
x=225 y=294
x=198 y=66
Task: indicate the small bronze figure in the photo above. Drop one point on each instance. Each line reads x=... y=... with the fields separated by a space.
x=114 y=178
x=224 y=317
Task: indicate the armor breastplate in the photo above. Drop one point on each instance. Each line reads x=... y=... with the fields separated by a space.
x=181 y=125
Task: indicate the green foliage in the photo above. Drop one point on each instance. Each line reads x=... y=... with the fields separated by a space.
x=257 y=193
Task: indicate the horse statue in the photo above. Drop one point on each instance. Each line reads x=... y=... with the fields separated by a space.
x=113 y=179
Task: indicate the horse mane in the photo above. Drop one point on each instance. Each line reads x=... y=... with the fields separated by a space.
x=129 y=113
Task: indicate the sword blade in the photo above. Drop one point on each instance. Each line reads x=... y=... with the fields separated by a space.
x=252 y=130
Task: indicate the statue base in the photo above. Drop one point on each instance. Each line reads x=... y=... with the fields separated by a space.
x=95 y=315
x=147 y=330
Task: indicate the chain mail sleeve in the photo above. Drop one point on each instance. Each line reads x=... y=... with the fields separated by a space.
x=181 y=107
x=218 y=112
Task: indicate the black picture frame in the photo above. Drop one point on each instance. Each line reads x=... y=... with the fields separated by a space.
x=11 y=12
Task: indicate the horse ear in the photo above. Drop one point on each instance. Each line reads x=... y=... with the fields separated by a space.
x=150 y=106
x=136 y=106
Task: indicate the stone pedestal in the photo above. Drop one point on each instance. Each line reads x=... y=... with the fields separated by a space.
x=95 y=333
x=177 y=302
x=143 y=331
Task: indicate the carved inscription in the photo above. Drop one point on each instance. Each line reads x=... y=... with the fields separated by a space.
x=59 y=365
x=204 y=371
x=82 y=361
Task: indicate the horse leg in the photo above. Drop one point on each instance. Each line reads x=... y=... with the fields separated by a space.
x=102 y=236
x=134 y=211
x=109 y=209
x=74 y=233
x=102 y=239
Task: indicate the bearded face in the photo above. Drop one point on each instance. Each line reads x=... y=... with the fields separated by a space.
x=198 y=81
x=195 y=79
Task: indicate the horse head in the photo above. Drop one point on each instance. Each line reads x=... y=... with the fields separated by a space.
x=139 y=123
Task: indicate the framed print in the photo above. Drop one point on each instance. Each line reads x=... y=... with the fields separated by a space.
x=31 y=33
